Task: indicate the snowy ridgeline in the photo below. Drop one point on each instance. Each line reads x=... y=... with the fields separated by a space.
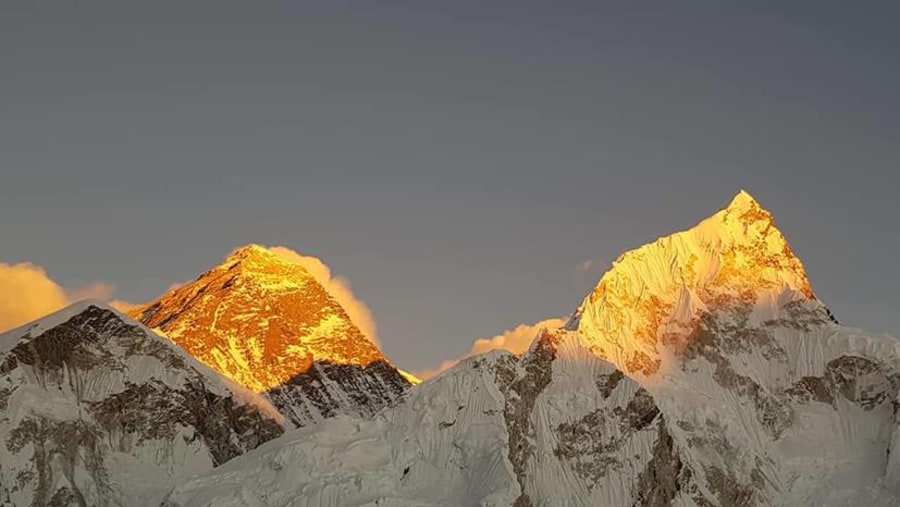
x=703 y=370
x=97 y=410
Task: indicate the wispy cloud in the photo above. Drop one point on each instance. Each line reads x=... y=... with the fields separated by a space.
x=516 y=340
x=585 y=266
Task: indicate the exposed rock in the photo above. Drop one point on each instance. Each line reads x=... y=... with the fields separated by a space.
x=812 y=389
x=711 y=342
x=862 y=381
x=664 y=476
x=593 y=451
x=326 y=390
x=84 y=388
x=607 y=383
x=521 y=396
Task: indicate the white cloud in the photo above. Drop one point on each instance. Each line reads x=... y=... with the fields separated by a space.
x=337 y=286
x=516 y=340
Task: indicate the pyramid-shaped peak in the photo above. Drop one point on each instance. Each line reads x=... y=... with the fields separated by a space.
x=739 y=244
x=743 y=201
x=735 y=257
x=260 y=319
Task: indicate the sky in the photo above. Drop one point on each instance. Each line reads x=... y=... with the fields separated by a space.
x=466 y=166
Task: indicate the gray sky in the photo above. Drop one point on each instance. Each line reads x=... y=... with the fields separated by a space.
x=455 y=163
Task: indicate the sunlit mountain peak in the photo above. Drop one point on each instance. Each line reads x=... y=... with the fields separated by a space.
x=729 y=262
x=259 y=319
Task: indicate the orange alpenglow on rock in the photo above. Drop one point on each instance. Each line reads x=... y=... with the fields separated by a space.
x=653 y=296
x=260 y=320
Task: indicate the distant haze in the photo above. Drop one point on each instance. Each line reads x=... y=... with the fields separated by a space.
x=467 y=168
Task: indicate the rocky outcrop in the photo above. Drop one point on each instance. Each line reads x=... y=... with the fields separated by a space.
x=98 y=411
x=326 y=390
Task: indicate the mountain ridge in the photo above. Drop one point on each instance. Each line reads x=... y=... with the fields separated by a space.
x=90 y=401
x=702 y=371
x=737 y=254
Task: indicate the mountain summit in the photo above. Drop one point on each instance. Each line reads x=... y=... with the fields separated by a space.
x=726 y=262
x=97 y=410
x=701 y=371
x=267 y=323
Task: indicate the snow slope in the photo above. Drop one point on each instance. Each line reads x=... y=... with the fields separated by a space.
x=268 y=324
x=702 y=370
x=97 y=410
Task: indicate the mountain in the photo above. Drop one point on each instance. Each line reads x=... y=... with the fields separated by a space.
x=268 y=324
x=701 y=371
x=97 y=410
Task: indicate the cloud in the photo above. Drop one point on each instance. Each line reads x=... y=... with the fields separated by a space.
x=98 y=290
x=28 y=293
x=516 y=340
x=337 y=286
x=585 y=266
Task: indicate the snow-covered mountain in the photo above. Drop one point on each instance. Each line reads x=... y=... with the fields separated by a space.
x=268 y=324
x=96 y=410
x=701 y=371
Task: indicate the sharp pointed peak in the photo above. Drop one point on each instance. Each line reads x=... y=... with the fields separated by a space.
x=735 y=257
x=251 y=250
x=743 y=200
x=744 y=210
x=61 y=315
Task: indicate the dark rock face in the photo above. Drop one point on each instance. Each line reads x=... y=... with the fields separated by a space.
x=862 y=381
x=64 y=442
x=859 y=380
x=590 y=449
x=521 y=392
x=153 y=411
x=111 y=388
x=664 y=476
x=608 y=382
x=326 y=389
x=714 y=339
